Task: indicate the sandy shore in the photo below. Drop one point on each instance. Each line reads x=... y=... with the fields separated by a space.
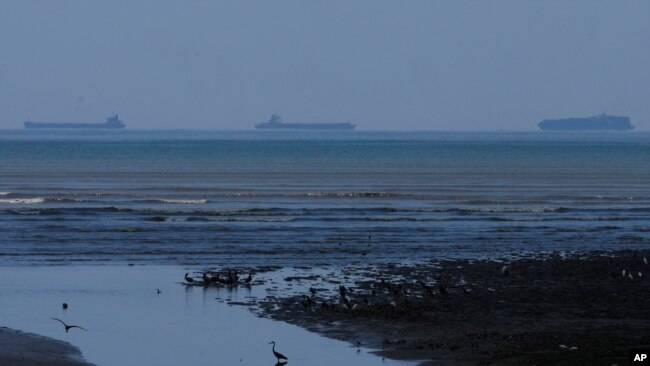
x=26 y=349
x=555 y=309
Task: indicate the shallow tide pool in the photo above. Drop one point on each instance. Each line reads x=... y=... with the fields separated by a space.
x=128 y=323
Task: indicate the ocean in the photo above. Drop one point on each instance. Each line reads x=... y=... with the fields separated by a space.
x=286 y=198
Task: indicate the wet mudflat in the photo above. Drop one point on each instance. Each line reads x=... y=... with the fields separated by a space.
x=570 y=309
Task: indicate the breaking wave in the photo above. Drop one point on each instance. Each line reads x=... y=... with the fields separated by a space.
x=182 y=202
x=23 y=200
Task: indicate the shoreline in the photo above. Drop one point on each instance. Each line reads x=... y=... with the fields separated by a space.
x=28 y=349
x=553 y=309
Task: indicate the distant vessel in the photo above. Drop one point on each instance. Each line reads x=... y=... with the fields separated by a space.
x=112 y=122
x=601 y=122
x=275 y=123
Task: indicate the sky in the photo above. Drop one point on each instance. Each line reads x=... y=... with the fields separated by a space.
x=383 y=65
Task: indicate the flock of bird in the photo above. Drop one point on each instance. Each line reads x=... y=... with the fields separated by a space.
x=629 y=274
x=398 y=296
x=400 y=293
x=231 y=278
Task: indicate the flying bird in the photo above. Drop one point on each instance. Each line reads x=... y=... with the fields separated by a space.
x=68 y=327
x=65 y=305
x=278 y=355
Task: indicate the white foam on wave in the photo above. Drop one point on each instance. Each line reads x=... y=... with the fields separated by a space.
x=183 y=202
x=4 y=193
x=23 y=200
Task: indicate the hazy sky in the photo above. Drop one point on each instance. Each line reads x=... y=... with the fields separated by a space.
x=425 y=65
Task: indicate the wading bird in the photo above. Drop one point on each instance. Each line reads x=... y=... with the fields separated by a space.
x=443 y=290
x=278 y=355
x=188 y=278
x=206 y=279
x=68 y=327
x=248 y=279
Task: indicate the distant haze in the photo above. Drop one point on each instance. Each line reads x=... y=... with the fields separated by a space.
x=384 y=65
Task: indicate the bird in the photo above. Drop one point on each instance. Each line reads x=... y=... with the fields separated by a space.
x=623 y=273
x=278 y=355
x=426 y=288
x=235 y=277
x=572 y=348
x=443 y=290
x=505 y=271
x=640 y=274
x=65 y=305
x=313 y=291
x=248 y=279
x=158 y=291
x=342 y=290
x=188 y=278
x=206 y=279
x=68 y=327
x=645 y=260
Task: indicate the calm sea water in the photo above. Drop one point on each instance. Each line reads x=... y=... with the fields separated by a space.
x=285 y=198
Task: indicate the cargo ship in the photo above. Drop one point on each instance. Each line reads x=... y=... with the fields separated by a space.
x=112 y=122
x=275 y=123
x=601 y=122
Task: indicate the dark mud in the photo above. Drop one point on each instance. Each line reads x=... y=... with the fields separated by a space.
x=24 y=349
x=575 y=309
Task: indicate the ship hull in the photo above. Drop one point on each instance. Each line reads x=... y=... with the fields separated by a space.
x=71 y=125
x=599 y=123
x=305 y=126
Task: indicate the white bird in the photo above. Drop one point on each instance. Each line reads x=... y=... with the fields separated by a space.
x=640 y=274
x=623 y=273
x=68 y=327
x=630 y=276
x=504 y=270
x=645 y=260
x=574 y=348
x=392 y=303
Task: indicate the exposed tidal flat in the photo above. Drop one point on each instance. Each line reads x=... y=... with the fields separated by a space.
x=552 y=308
x=102 y=220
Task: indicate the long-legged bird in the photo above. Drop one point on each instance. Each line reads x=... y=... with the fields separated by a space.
x=278 y=355
x=68 y=327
